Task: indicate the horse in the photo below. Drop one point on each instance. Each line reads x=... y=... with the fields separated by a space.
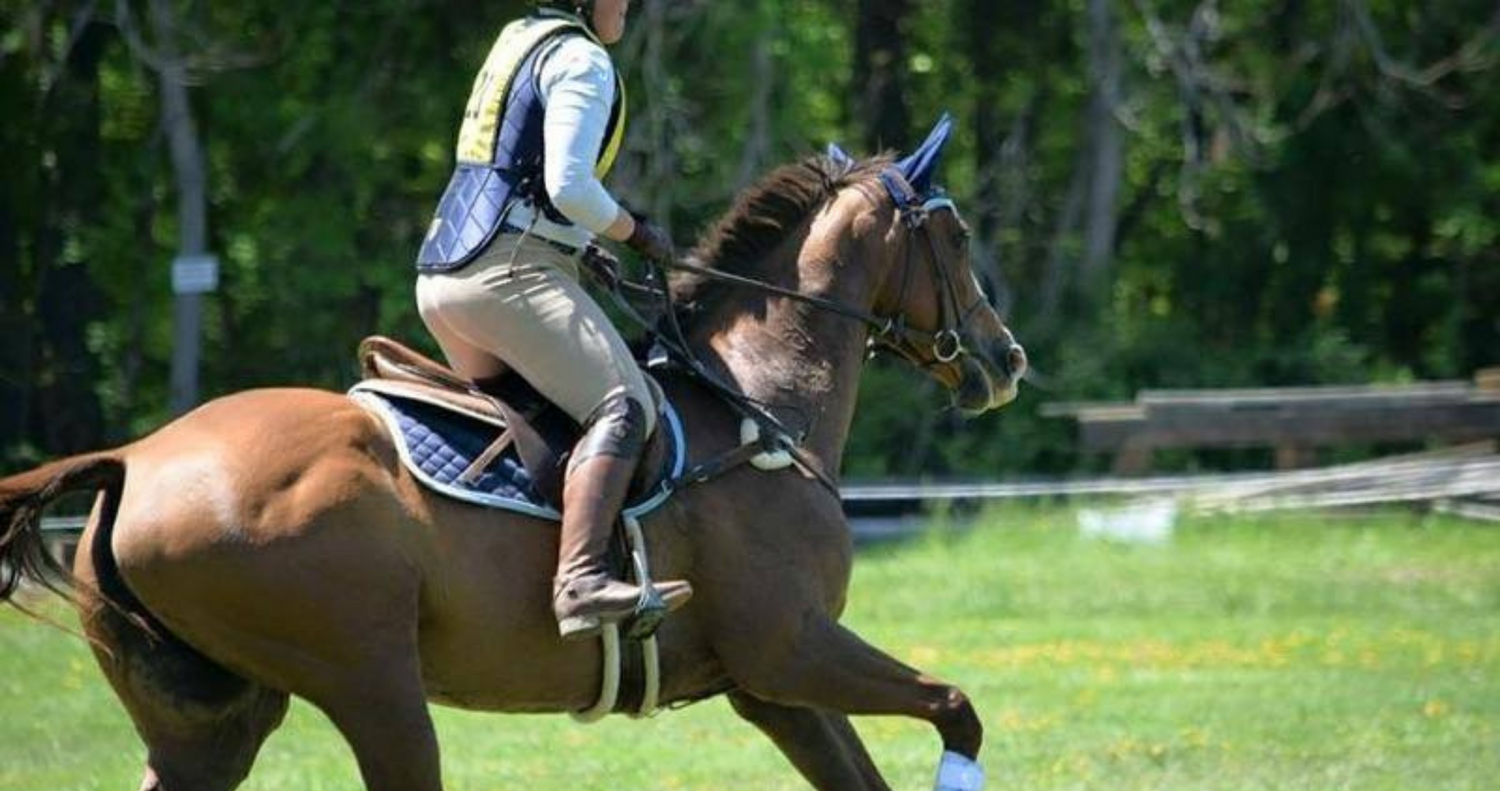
x=270 y=543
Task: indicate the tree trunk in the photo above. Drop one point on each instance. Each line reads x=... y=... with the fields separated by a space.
x=15 y=329
x=48 y=402
x=1061 y=251
x=65 y=410
x=999 y=41
x=661 y=158
x=880 y=72
x=1094 y=190
x=192 y=199
x=757 y=149
x=1106 y=147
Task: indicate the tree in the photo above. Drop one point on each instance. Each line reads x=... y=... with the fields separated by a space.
x=1170 y=192
x=879 y=73
x=52 y=79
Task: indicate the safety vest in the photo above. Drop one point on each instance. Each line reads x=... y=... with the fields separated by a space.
x=500 y=145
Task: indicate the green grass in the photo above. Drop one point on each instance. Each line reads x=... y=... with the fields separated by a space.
x=1294 y=652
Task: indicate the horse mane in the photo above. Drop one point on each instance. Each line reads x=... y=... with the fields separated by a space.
x=760 y=220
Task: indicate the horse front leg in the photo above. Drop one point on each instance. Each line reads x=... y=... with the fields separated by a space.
x=822 y=745
x=822 y=665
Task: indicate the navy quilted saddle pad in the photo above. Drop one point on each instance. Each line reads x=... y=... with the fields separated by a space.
x=438 y=444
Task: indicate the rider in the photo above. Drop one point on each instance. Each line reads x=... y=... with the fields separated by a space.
x=498 y=285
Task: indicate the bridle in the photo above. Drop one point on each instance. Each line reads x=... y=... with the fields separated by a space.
x=946 y=345
x=922 y=348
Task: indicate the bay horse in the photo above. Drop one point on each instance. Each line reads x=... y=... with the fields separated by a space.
x=270 y=543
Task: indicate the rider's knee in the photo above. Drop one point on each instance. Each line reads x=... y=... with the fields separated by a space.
x=617 y=427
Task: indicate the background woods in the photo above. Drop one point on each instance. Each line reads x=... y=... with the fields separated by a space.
x=1163 y=193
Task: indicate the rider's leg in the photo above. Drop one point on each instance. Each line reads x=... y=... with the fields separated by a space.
x=585 y=596
x=521 y=303
x=465 y=357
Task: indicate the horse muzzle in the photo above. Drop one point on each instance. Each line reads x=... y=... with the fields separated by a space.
x=990 y=380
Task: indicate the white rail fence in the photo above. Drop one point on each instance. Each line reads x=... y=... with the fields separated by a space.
x=1464 y=480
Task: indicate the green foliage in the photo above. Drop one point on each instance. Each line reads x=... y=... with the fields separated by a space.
x=1310 y=199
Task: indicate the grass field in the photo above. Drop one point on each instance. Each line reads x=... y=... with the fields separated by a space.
x=1294 y=652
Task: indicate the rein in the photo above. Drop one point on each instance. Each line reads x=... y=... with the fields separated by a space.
x=890 y=332
x=831 y=306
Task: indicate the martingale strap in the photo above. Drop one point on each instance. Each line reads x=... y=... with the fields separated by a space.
x=747 y=453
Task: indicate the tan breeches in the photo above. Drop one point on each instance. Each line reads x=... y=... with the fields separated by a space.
x=519 y=305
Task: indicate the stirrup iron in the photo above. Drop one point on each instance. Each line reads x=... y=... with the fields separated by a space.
x=650 y=611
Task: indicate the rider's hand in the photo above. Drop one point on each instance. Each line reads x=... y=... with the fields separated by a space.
x=603 y=265
x=651 y=242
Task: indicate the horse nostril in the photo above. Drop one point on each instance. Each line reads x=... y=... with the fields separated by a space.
x=1015 y=361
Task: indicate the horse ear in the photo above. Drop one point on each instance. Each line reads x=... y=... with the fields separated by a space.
x=839 y=156
x=921 y=166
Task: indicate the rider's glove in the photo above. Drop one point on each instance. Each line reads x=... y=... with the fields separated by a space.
x=604 y=266
x=651 y=241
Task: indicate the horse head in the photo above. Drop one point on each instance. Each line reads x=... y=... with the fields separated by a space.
x=827 y=258
x=941 y=319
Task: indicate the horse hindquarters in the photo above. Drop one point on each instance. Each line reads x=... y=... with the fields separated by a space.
x=202 y=725
x=265 y=530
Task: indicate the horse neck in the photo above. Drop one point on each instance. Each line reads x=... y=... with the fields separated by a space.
x=803 y=361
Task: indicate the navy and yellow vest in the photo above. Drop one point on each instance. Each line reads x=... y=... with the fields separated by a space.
x=500 y=146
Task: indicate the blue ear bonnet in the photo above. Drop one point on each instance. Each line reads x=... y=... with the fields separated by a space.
x=839 y=156
x=921 y=166
x=917 y=170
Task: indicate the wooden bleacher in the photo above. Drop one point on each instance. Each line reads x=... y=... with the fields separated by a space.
x=1295 y=421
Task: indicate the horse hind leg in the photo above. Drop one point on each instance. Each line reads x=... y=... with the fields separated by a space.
x=202 y=725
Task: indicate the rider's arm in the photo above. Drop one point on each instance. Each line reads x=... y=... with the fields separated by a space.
x=578 y=89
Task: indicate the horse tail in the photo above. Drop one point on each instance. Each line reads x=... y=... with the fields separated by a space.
x=23 y=498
